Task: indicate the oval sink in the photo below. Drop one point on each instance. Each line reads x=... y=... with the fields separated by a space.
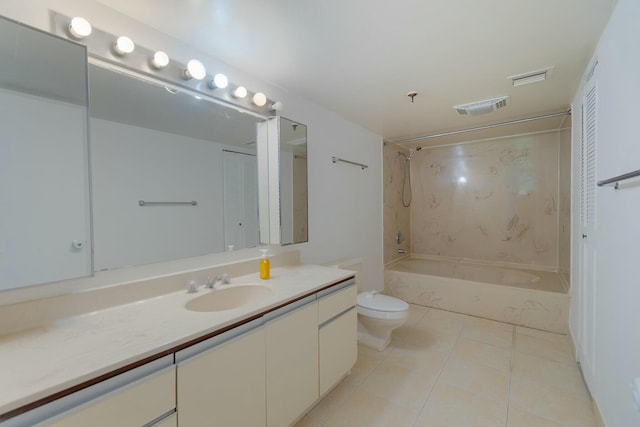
x=229 y=298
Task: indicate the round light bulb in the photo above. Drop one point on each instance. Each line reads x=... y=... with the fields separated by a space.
x=276 y=106
x=240 y=92
x=123 y=45
x=220 y=81
x=260 y=99
x=160 y=60
x=79 y=28
x=195 y=70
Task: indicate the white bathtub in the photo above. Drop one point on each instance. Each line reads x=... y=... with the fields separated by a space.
x=535 y=299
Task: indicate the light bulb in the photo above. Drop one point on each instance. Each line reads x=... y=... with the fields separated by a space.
x=276 y=106
x=79 y=28
x=123 y=45
x=160 y=60
x=240 y=92
x=220 y=81
x=260 y=99
x=195 y=70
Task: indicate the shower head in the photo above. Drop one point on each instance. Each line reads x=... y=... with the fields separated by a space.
x=413 y=150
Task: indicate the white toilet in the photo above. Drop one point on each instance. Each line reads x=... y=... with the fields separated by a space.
x=378 y=315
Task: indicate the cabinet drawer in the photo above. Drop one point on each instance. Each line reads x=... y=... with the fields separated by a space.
x=136 y=404
x=336 y=302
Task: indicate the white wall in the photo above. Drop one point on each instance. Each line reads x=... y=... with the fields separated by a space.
x=345 y=202
x=131 y=163
x=617 y=227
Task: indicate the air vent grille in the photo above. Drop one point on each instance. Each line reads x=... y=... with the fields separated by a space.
x=482 y=107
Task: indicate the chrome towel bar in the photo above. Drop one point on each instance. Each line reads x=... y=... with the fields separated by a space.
x=337 y=159
x=143 y=203
x=615 y=179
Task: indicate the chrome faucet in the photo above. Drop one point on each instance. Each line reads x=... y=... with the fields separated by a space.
x=402 y=251
x=222 y=278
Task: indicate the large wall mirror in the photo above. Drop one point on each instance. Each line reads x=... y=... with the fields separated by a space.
x=173 y=174
x=44 y=190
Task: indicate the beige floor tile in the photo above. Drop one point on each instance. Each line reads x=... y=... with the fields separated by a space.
x=451 y=406
x=486 y=354
x=444 y=322
x=550 y=403
x=399 y=385
x=418 y=358
x=367 y=361
x=558 y=350
x=427 y=338
x=549 y=336
x=519 y=418
x=416 y=313
x=364 y=409
x=564 y=376
x=329 y=404
x=478 y=379
x=489 y=332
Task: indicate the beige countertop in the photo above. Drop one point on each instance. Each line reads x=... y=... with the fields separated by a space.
x=37 y=362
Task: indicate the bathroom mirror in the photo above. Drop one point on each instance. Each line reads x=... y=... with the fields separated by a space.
x=173 y=174
x=282 y=144
x=44 y=190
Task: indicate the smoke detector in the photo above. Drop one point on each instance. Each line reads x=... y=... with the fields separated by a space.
x=482 y=107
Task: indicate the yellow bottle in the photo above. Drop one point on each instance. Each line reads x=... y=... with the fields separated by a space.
x=265 y=265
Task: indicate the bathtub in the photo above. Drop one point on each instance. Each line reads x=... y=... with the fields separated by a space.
x=534 y=299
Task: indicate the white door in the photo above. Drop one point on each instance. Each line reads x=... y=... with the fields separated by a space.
x=587 y=293
x=240 y=181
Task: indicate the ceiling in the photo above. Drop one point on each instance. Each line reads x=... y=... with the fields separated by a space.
x=361 y=58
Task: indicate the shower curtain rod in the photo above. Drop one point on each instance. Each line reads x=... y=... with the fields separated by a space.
x=495 y=125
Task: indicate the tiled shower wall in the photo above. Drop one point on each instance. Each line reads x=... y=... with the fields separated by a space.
x=396 y=217
x=493 y=201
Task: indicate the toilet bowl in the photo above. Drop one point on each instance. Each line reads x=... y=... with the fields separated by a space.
x=378 y=316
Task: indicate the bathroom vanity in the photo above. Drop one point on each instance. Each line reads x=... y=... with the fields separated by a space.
x=249 y=361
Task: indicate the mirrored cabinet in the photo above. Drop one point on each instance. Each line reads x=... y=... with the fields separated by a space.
x=282 y=158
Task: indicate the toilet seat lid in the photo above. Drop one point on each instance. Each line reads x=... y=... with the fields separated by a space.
x=375 y=301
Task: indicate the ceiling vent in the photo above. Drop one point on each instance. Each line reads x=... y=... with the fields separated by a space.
x=482 y=107
x=530 y=77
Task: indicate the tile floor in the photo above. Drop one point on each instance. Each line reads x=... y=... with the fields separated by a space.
x=444 y=369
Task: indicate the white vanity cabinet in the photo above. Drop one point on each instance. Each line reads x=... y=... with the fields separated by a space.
x=292 y=361
x=337 y=335
x=221 y=381
x=142 y=396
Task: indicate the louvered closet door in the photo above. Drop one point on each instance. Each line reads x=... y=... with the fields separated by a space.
x=587 y=293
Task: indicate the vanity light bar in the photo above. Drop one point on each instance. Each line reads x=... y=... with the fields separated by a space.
x=123 y=52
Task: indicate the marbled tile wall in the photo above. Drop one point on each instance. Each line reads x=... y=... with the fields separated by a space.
x=564 y=205
x=494 y=201
x=396 y=217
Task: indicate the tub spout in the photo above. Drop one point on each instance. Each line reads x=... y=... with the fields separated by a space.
x=402 y=251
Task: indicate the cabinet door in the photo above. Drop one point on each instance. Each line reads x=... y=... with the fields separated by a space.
x=338 y=348
x=136 y=404
x=224 y=385
x=292 y=364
